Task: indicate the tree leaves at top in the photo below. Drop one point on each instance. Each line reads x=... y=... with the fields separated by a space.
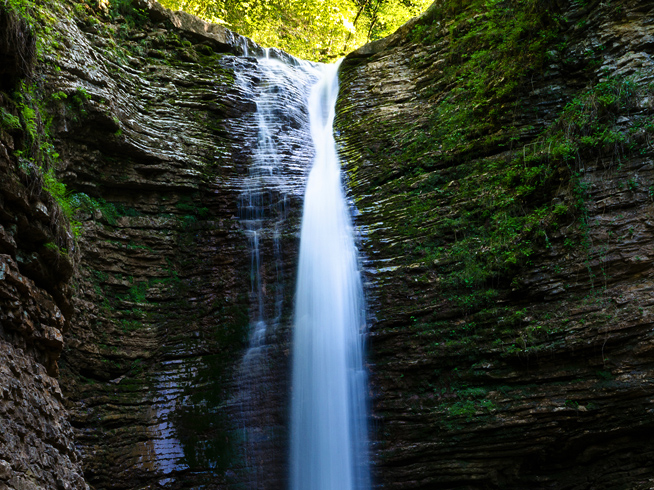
x=312 y=29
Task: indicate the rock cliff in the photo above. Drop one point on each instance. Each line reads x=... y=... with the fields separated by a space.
x=500 y=157
x=151 y=114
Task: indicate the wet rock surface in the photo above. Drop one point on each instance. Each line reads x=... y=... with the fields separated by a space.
x=163 y=308
x=548 y=383
x=154 y=120
x=122 y=351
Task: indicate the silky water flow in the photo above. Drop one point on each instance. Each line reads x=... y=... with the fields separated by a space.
x=328 y=419
x=273 y=187
x=328 y=398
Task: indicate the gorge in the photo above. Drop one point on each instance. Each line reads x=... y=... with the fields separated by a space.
x=499 y=156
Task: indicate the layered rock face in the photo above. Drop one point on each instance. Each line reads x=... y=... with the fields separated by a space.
x=531 y=366
x=153 y=116
x=165 y=280
x=37 y=446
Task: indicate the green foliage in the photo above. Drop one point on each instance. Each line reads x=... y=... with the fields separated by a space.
x=36 y=155
x=55 y=248
x=8 y=121
x=500 y=209
x=40 y=16
x=312 y=29
x=503 y=207
x=137 y=292
x=127 y=325
x=35 y=152
x=383 y=18
x=58 y=96
x=26 y=102
x=494 y=47
x=121 y=7
x=58 y=190
x=587 y=125
x=124 y=12
x=193 y=212
x=468 y=408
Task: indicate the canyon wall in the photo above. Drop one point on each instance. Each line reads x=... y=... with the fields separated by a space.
x=37 y=443
x=152 y=117
x=500 y=158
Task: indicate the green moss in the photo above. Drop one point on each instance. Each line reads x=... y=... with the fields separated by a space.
x=56 y=248
x=41 y=18
x=474 y=221
x=125 y=8
x=128 y=325
x=190 y=207
x=81 y=202
x=28 y=117
x=494 y=46
x=587 y=126
x=137 y=293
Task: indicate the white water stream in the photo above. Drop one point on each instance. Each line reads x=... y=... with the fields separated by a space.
x=328 y=414
x=274 y=184
x=328 y=444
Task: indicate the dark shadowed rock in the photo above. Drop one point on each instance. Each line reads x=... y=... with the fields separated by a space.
x=538 y=377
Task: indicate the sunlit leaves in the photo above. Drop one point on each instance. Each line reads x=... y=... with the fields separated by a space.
x=311 y=29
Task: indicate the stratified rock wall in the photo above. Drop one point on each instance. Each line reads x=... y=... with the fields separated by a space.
x=37 y=446
x=162 y=309
x=522 y=362
x=153 y=120
x=539 y=376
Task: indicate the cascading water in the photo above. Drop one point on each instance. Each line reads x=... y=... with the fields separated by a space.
x=328 y=409
x=270 y=194
x=328 y=413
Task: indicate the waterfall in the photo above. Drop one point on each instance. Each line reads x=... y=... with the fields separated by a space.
x=328 y=408
x=270 y=194
x=295 y=107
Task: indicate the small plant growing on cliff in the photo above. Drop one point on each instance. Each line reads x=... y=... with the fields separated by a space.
x=588 y=123
x=36 y=155
x=58 y=96
x=8 y=121
x=137 y=292
x=37 y=27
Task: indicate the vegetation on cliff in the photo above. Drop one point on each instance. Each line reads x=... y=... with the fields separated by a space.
x=508 y=212
x=475 y=193
x=28 y=39
x=507 y=175
x=501 y=164
x=31 y=45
